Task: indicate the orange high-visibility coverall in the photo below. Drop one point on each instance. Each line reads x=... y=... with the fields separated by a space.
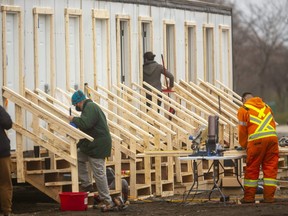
x=257 y=134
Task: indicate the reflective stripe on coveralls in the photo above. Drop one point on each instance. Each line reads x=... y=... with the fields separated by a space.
x=264 y=129
x=250 y=183
x=270 y=182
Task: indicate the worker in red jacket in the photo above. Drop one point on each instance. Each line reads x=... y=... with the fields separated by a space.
x=257 y=134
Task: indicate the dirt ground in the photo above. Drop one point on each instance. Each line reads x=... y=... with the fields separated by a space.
x=29 y=201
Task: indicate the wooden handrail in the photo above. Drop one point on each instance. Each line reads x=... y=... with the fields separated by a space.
x=55 y=123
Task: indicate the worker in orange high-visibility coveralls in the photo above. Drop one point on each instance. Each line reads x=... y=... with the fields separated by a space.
x=257 y=134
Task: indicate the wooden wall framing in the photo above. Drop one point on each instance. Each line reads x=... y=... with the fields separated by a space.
x=189 y=25
x=149 y=21
x=18 y=111
x=101 y=15
x=222 y=29
x=69 y=12
x=119 y=65
x=50 y=13
x=18 y=12
x=168 y=59
x=205 y=53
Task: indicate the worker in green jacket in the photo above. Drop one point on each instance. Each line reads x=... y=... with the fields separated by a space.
x=92 y=121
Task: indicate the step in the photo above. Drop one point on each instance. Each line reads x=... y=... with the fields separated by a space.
x=143 y=190
x=164 y=164
x=48 y=171
x=112 y=192
x=142 y=186
x=123 y=161
x=142 y=171
x=34 y=159
x=186 y=174
x=110 y=163
x=163 y=182
x=58 y=183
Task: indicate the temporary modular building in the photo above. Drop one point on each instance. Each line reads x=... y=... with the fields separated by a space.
x=63 y=44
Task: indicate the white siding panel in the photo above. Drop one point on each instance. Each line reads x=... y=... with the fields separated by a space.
x=12 y=66
x=44 y=51
x=114 y=10
x=87 y=7
x=158 y=32
x=180 y=44
x=28 y=43
x=101 y=62
x=60 y=54
x=12 y=52
x=74 y=51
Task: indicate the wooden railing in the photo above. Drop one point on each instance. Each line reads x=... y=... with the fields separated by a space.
x=47 y=138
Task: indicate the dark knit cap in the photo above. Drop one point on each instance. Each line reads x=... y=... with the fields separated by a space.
x=149 y=55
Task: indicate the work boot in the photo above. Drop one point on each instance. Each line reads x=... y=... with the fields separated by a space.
x=98 y=202
x=109 y=207
x=119 y=203
x=244 y=201
x=268 y=200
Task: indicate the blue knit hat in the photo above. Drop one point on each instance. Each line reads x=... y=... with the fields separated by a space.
x=77 y=97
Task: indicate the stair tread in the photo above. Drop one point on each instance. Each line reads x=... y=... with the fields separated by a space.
x=48 y=171
x=58 y=183
x=128 y=160
x=186 y=173
x=111 y=192
x=163 y=182
x=141 y=186
x=142 y=171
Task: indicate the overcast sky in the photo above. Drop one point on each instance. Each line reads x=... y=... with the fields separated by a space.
x=244 y=4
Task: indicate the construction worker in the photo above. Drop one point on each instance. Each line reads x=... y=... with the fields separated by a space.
x=257 y=134
x=92 y=121
x=152 y=75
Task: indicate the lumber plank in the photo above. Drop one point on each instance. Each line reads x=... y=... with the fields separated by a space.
x=43 y=114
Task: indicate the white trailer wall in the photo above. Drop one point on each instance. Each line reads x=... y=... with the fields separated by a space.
x=105 y=62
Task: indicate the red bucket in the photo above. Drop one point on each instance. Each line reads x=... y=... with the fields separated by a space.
x=73 y=201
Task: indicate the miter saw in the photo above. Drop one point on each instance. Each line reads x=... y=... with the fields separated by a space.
x=205 y=141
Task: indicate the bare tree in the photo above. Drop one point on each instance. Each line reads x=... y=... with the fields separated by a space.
x=260 y=50
x=268 y=33
x=260 y=60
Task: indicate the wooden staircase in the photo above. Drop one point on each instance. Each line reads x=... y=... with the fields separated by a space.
x=145 y=142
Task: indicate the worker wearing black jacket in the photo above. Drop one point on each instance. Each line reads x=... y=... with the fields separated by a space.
x=6 y=187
